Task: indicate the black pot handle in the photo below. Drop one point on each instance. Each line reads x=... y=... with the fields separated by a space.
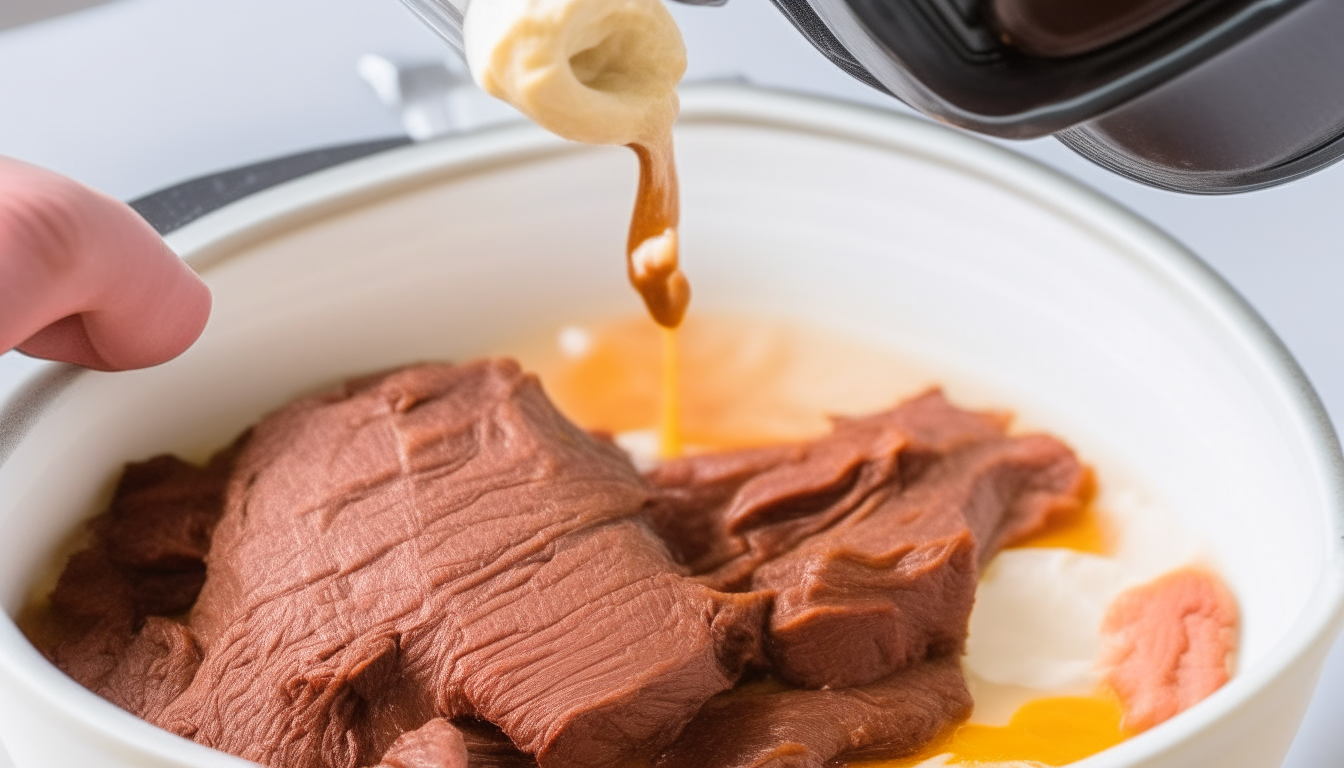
x=177 y=206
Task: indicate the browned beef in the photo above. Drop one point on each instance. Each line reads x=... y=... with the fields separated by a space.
x=93 y=616
x=440 y=542
x=146 y=559
x=436 y=744
x=895 y=581
x=152 y=669
x=760 y=727
x=164 y=511
x=871 y=538
x=724 y=514
x=488 y=747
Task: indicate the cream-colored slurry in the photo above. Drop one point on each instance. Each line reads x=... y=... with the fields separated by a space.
x=599 y=72
x=593 y=71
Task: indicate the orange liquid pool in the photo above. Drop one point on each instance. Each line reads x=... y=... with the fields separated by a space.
x=1091 y=532
x=1050 y=731
x=739 y=382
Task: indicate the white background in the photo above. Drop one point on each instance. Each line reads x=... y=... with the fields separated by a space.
x=134 y=95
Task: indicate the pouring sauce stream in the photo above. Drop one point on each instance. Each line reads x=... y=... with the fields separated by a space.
x=653 y=264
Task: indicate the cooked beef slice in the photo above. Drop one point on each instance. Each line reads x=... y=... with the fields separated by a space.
x=440 y=542
x=164 y=511
x=436 y=744
x=153 y=669
x=146 y=558
x=872 y=537
x=724 y=514
x=895 y=580
x=759 y=727
x=488 y=747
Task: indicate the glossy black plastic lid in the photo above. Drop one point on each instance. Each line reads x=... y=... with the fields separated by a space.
x=949 y=58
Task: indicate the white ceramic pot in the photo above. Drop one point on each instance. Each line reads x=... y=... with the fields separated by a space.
x=1016 y=285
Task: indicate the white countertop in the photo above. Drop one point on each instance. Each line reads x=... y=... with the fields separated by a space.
x=135 y=95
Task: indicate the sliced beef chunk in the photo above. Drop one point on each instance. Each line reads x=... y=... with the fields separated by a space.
x=724 y=514
x=154 y=668
x=165 y=510
x=440 y=542
x=871 y=538
x=488 y=747
x=756 y=727
x=895 y=581
x=432 y=568
x=436 y=744
x=93 y=617
x=146 y=559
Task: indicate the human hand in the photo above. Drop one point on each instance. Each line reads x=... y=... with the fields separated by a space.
x=84 y=279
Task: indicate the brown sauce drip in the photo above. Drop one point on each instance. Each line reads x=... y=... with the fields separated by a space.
x=655 y=269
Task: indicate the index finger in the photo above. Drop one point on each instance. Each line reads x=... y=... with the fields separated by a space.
x=84 y=279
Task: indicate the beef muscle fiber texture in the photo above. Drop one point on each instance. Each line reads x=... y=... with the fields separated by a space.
x=433 y=566
x=871 y=539
x=439 y=542
x=767 y=727
x=146 y=561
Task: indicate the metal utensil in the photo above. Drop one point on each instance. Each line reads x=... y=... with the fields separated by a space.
x=445 y=16
x=442 y=16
